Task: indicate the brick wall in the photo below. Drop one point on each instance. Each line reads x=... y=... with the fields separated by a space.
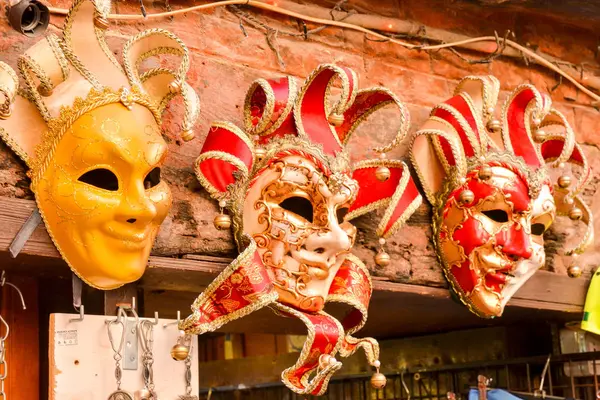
x=225 y=61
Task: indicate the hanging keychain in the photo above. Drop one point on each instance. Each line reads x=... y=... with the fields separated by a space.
x=146 y=332
x=117 y=394
x=188 y=375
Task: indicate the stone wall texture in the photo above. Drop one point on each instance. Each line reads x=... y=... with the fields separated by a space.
x=226 y=59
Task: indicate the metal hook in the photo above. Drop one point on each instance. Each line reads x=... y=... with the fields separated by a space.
x=404 y=384
x=155 y=318
x=81 y=314
x=541 y=392
x=3 y=282
x=173 y=323
x=3 y=338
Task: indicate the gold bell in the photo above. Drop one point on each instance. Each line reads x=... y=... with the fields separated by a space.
x=382 y=259
x=485 y=172
x=222 y=222
x=142 y=394
x=174 y=87
x=574 y=271
x=44 y=92
x=187 y=135
x=466 y=197
x=325 y=360
x=378 y=380
x=575 y=214
x=539 y=136
x=260 y=153
x=336 y=119
x=382 y=174
x=180 y=352
x=101 y=23
x=494 y=125
x=564 y=181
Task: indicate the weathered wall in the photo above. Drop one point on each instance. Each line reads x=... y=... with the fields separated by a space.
x=225 y=61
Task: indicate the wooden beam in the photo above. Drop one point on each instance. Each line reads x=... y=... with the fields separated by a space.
x=551 y=294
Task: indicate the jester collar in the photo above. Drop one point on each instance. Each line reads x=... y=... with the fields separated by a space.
x=289 y=184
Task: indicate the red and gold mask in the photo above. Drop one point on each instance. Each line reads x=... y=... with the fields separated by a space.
x=492 y=196
x=289 y=184
x=89 y=131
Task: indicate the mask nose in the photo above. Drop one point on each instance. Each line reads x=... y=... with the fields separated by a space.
x=328 y=245
x=515 y=241
x=136 y=208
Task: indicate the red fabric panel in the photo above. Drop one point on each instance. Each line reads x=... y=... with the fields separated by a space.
x=553 y=148
x=410 y=193
x=522 y=144
x=372 y=189
x=220 y=173
x=313 y=116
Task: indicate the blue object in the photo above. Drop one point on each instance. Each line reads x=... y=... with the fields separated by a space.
x=493 y=394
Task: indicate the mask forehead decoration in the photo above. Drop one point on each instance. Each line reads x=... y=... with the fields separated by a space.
x=489 y=184
x=88 y=128
x=288 y=182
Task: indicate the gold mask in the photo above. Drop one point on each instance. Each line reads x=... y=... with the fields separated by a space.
x=89 y=131
x=101 y=194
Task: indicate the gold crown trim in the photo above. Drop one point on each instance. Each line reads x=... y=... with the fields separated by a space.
x=69 y=114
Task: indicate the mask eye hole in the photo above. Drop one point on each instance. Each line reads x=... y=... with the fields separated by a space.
x=299 y=206
x=538 y=229
x=152 y=179
x=341 y=214
x=101 y=178
x=496 y=215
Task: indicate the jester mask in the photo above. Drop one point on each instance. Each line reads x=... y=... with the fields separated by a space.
x=89 y=131
x=291 y=190
x=491 y=189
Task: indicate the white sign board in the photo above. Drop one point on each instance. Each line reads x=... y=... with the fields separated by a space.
x=82 y=365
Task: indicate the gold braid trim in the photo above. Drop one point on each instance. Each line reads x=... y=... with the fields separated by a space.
x=352 y=301
x=265 y=125
x=404 y=124
x=461 y=164
x=101 y=37
x=14 y=146
x=322 y=374
x=54 y=43
x=267 y=112
x=68 y=115
x=189 y=325
x=378 y=203
x=535 y=109
x=28 y=66
x=67 y=47
x=132 y=73
x=338 y=108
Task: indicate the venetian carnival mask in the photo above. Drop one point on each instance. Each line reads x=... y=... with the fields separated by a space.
x=492 y=196
x=89 y=131
x=288 y=182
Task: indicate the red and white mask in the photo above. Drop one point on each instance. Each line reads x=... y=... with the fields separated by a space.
x=491 y=194
x=291 y=190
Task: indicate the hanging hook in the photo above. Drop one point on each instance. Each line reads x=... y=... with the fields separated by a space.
x=404 y=384
x=173 y=323
x=3 y=338
x=4 y=282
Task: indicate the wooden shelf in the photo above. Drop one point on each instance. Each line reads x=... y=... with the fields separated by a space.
x=396 y=308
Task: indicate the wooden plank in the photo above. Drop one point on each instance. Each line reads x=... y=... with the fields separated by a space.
x=22 y=345
x=82 y=364
x=190 y=274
